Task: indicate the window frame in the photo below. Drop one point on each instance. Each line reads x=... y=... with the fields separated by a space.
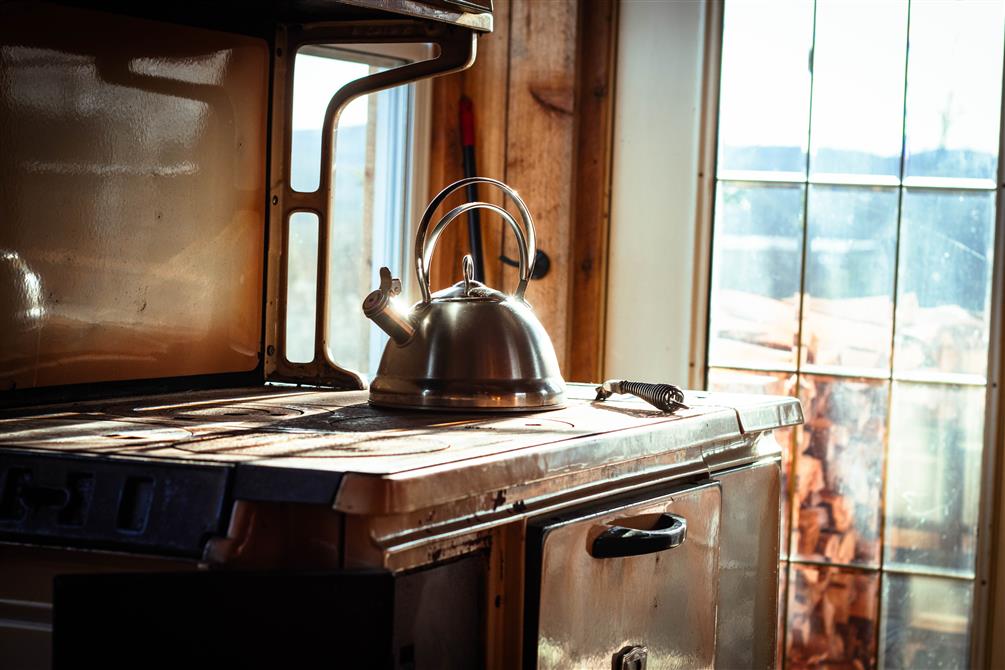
x=413 y=163
x=988 y=602
x=417 y=133
x=454 y=51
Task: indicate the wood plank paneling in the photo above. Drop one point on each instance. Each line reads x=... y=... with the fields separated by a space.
x=487 y=90
x=445 y=168
x=592 y=190
x=542 y=88
x=540 y=147
x=485 y=84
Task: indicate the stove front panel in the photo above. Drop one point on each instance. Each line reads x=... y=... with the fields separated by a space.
x=600 y=612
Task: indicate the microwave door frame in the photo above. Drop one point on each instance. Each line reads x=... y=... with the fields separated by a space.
x=457 y=48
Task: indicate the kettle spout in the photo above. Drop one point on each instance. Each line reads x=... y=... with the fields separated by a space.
x=379 y=307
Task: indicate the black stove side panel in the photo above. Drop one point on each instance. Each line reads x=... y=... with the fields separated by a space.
x=128 y=504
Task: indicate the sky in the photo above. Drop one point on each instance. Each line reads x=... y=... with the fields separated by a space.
x=315 y=81
x=953 y=84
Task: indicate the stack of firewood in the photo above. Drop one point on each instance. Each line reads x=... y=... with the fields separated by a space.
x=832 y=610
x=824 y=529
x=832 y=618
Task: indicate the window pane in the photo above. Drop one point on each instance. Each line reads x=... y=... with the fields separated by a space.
x=756 y=260
x=839 y=470
x=848 y=307
x=315 y=81
x=944 y=282
x=933 y=475
x=832 y=617
x=783 y=590
x=368 y=214
x=301 y=287
x=369 y=187
x=746 y=381
x=926 y=622
x=765 y=86
x=954 y=88
x=765 y=383
x=858 y=87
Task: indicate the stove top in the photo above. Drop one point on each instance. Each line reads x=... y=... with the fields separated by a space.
x=281 y=423
x=279 y=427
x=146 y=462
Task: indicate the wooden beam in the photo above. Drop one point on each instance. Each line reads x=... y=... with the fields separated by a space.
x=485 y=83
x=592 y=191
x=540 y=147
x=543 y=91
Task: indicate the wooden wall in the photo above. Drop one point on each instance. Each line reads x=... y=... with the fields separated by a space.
x=542 y=88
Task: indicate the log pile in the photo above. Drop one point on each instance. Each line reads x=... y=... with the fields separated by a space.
x=832 y=618
x=832 y=610
x=838 y=473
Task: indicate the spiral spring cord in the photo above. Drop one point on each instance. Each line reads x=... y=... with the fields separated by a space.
x=666 y=397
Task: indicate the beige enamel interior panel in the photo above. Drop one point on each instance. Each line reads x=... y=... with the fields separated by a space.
x=132 y=175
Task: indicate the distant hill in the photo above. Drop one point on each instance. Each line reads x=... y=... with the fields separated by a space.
x=937 y=162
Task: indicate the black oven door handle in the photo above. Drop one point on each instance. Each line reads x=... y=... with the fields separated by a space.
x=618 y=541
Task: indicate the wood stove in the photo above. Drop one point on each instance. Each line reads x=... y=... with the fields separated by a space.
x=175 y=492
x=268 y=523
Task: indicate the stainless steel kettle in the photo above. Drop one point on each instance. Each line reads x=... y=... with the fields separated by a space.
x=468 y=346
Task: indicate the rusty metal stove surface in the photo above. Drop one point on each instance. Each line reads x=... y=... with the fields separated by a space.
x=289 y=443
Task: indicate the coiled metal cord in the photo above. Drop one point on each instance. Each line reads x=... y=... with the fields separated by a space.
x=666 y=397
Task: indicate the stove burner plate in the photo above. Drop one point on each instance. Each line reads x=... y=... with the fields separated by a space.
x=251 y=411
x=111 y=436
x=310 y=444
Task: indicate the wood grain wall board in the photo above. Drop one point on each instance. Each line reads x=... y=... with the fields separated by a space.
x=542 y=88
x=488 y=90
x=540 y=146
x=445 y=168
x=485 y=83
x=592 y=190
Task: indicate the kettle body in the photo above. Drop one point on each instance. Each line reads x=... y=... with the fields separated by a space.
x=467 y=347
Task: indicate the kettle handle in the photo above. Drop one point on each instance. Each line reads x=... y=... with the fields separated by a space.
x=425 y=244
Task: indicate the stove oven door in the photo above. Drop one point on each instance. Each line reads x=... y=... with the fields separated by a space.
x=626 y=584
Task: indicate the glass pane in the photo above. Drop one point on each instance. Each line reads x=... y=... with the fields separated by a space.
x=783 y=585
x=933 y=475
x=787 y=438
x=756 y=261
x=301 y=287
x=747 y=381
x=858 y=87
x=944 y=284
x=832 y=617
x=848 y=306
x=926 y=622
x=765 y=86
x=839 y=470
x=367 y=225
x=954 y=89
x=369 y=180
x=765 y=383
x=315 y=80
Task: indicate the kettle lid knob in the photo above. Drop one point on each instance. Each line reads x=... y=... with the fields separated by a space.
x=468 y=270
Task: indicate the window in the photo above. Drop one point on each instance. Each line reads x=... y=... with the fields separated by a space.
x=375 y=175
x=851 y=266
